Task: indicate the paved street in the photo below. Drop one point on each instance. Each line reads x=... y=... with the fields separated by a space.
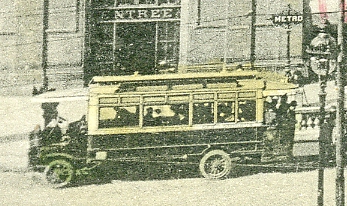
x=278 y=189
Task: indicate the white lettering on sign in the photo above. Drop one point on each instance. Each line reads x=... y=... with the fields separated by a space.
x=142 y=14
x=296 y=19
x=155 y=13
x=119 y=15
x=131 y=12
x=138 y=14
x=277 y=19
x=167 y=13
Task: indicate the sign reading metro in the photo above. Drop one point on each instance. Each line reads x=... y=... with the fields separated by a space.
x=287 y=19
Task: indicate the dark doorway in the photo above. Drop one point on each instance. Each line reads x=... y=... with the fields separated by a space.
x=129 y=46
x=135 y=50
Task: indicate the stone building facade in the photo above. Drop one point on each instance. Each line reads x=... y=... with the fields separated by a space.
x=116 y=37
x=21 y=43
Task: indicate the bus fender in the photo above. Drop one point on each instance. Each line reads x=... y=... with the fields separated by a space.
x=46 y=159
x=214 y=147
x=209 y=148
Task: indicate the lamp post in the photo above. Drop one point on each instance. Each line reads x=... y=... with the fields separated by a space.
x=289 y=29
x=321 y=52
x=340 y=179
x=45 y=44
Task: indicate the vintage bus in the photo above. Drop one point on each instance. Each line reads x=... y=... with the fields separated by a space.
x=212 y=119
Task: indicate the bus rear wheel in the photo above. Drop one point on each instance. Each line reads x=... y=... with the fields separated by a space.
x=215 y=164
x=59 y=173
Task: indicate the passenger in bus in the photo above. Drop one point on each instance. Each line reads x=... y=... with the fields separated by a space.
x=247 y=111
x=203 y=113
x=225 y=112
x=148 y=119
x=122 y=117
x=136 y=116
x=158 y=118
x=181 y=115
x=117 y=117
x=128 y=116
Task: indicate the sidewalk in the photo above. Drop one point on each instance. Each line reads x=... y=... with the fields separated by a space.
x=19 y=116
x=311 y=92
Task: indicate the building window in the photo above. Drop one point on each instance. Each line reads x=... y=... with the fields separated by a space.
x=167 y=44
x=63 y=16
x=127 y=39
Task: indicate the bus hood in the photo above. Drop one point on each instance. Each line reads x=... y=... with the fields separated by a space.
x=62 y=95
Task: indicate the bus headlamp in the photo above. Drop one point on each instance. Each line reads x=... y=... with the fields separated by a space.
x=100 y=155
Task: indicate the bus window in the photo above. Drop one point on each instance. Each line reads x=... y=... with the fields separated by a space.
x=247 y=111
x=166 y=115
x=226 y=111
x=118 y=117
x=203 y=113
x=181 y=115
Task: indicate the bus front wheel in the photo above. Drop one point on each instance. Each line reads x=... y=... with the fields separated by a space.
x=59 y=173
x=215 y=164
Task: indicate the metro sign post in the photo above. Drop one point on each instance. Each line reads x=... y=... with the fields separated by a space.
x=287 y=18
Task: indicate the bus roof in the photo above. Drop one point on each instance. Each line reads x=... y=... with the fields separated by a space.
x=174 y=77
x=279 y=88
x=62 y=95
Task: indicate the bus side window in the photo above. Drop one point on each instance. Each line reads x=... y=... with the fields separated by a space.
x=203 y=113
x=106 y=116
x=118 y=117
x=166 y=115
x=247 y=111
x=226 y=112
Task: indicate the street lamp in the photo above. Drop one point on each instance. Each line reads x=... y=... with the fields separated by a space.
x=321 y=51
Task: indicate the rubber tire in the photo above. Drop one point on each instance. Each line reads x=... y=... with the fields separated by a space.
x=215 y=164
x=59 y=173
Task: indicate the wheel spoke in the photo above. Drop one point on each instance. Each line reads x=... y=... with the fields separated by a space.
x=215 y=164
x=214 y=170
x=59 y=173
